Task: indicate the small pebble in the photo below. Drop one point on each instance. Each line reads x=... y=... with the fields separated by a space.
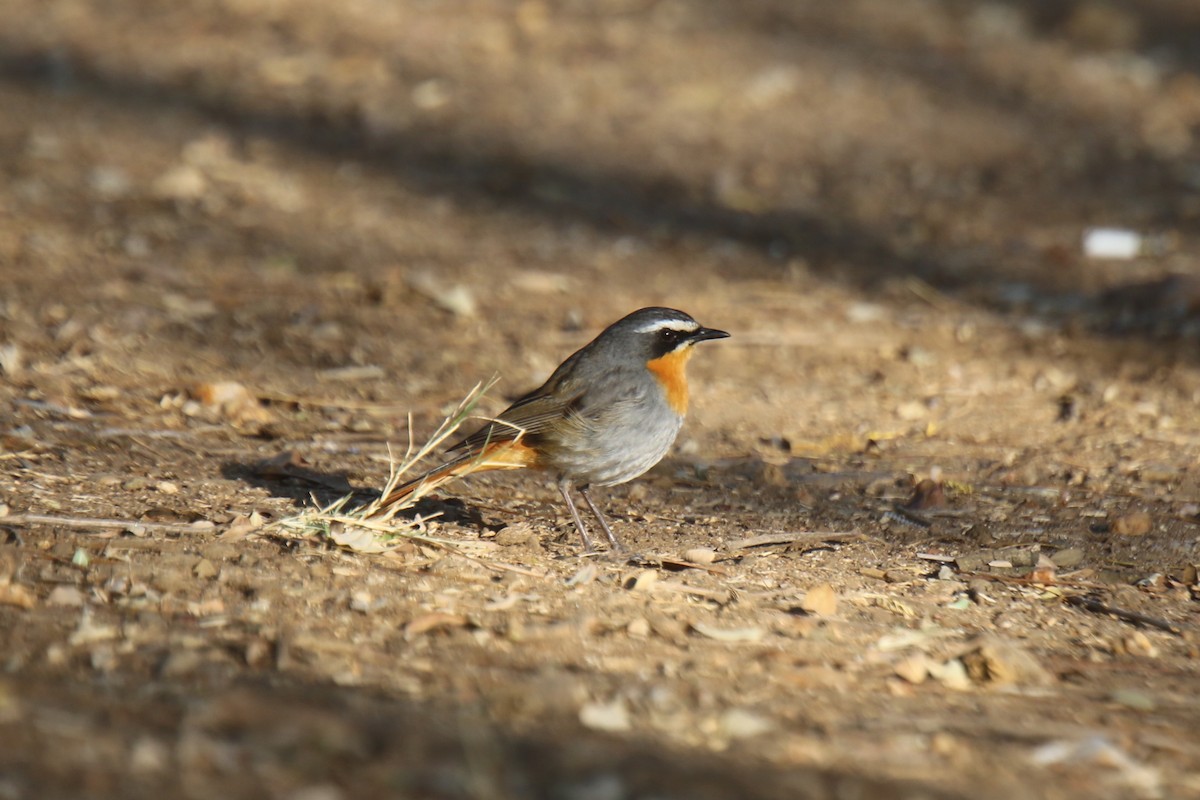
x=149 y=755
x=1158 y=473
x=63 y=595
x=1135 y=699
x=431 y=94
x=610 y=717
x=361 y=601
x=914 y=669
x=739 y=723
x=516 y=534
x=181 y=663
x=1139 y=644
x=1135 y=524
x=181 y=183
x=980 y=591
x=952 y=674
x=258 y=652
x=1068 y=558
x=1003 y=663
x=586 y=574
x=820 y=600
x=643 y=581
x=1111 y=243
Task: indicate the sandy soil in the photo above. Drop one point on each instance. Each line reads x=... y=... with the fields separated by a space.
x=355 y=211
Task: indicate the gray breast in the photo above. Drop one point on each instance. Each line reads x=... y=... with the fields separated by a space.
x=628 y=437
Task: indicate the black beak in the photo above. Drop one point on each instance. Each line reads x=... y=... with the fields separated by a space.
x=708 y=333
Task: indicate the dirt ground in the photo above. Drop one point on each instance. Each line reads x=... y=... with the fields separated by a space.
x=355 y=211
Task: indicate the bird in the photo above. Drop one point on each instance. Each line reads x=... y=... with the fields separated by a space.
x=605 y=416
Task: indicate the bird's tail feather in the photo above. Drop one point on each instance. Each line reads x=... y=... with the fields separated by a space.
x=498 y=455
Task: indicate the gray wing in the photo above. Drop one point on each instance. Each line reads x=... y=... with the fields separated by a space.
x=573 y=393
x=529 y=417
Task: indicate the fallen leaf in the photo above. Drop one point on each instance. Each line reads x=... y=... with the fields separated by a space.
x=14 y=594
x=820 y=600
x=360 y=540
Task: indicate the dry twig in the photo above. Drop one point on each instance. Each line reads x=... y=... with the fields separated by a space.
x=24 y=520
x=811 y=537
x=1096 y=607
x=372 y=528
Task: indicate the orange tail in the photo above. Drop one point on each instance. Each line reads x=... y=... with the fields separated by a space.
x=497 y=455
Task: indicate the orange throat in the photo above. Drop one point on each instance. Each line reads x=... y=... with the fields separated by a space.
x=671 y=372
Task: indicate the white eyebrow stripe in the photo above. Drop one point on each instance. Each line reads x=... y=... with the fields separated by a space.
x=681 y=325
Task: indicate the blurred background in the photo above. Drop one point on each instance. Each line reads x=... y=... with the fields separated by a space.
x=968 y=145
x=951 y=234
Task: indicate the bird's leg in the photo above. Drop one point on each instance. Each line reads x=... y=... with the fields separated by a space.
x=564 y=486
x=612 y=540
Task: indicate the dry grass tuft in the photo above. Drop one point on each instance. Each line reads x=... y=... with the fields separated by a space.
x=373 y=528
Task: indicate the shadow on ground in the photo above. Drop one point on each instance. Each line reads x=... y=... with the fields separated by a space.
x=464 y=165
x=264 y=738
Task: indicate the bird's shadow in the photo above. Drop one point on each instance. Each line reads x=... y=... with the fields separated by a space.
x=287 y=475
